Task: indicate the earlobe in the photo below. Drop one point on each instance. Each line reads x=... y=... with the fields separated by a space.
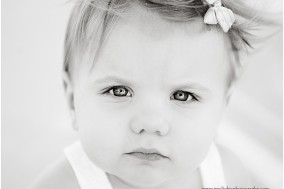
x=69 y=95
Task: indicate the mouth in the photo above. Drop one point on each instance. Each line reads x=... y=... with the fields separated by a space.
x=147 y=154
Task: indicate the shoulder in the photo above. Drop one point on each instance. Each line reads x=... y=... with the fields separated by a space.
x=59 y=175
x=235 y=172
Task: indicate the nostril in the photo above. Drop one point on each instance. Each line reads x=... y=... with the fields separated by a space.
x=141 y=131
x=164 y=130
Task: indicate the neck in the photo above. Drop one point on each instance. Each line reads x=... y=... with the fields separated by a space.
x=184 y=181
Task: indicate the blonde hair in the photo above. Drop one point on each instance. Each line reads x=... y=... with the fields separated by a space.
x=92 y=20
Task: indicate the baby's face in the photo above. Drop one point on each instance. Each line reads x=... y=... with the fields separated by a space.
x=156 y=86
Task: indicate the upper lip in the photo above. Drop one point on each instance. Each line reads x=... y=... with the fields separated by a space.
x=147 y=151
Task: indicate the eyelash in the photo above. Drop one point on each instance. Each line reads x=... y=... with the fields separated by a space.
x=111 y=91
x=187 y=95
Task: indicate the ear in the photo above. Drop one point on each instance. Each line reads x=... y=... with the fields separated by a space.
x=69 y=95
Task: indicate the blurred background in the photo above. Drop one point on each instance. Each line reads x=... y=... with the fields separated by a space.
x=35 y=121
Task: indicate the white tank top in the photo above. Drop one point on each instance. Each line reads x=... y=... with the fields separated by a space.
x=91 y=177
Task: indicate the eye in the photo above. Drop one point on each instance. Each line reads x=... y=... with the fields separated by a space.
x=118 y=91
x=184 y=96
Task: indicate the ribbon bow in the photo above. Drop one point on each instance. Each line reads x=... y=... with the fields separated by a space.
x=219 y=14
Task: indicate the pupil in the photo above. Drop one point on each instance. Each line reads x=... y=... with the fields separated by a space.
x=120 y=91
x=181 y=96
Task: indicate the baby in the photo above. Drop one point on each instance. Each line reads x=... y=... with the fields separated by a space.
x=147 y=83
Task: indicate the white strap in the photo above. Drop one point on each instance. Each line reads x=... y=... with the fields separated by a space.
x=211 y=170
x=88 y=175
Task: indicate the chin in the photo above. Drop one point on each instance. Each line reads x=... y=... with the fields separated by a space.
x=146 y=178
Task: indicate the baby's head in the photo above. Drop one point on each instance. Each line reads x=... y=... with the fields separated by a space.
x=143 y=75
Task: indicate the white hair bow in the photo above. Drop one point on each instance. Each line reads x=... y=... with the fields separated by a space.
x=219 y=14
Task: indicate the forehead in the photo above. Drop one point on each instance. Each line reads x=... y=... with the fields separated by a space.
x=147 y=44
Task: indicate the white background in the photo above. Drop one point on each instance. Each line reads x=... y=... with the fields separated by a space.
x=35 y=122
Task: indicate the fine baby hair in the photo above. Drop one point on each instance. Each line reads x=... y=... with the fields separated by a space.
x=93 y=20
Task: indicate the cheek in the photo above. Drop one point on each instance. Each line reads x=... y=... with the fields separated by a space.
x=102 y=134
x=194 y=133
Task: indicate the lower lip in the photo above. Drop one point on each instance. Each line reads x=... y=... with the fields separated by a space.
x=149 y=157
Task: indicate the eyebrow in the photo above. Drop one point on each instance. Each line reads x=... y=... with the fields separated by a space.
x=192 y=86
x=116 y=79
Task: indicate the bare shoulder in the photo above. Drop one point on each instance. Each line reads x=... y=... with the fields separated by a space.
x=59 y=175
x=235 y=172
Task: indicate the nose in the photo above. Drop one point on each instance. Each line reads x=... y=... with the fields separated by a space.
x=151 y=124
